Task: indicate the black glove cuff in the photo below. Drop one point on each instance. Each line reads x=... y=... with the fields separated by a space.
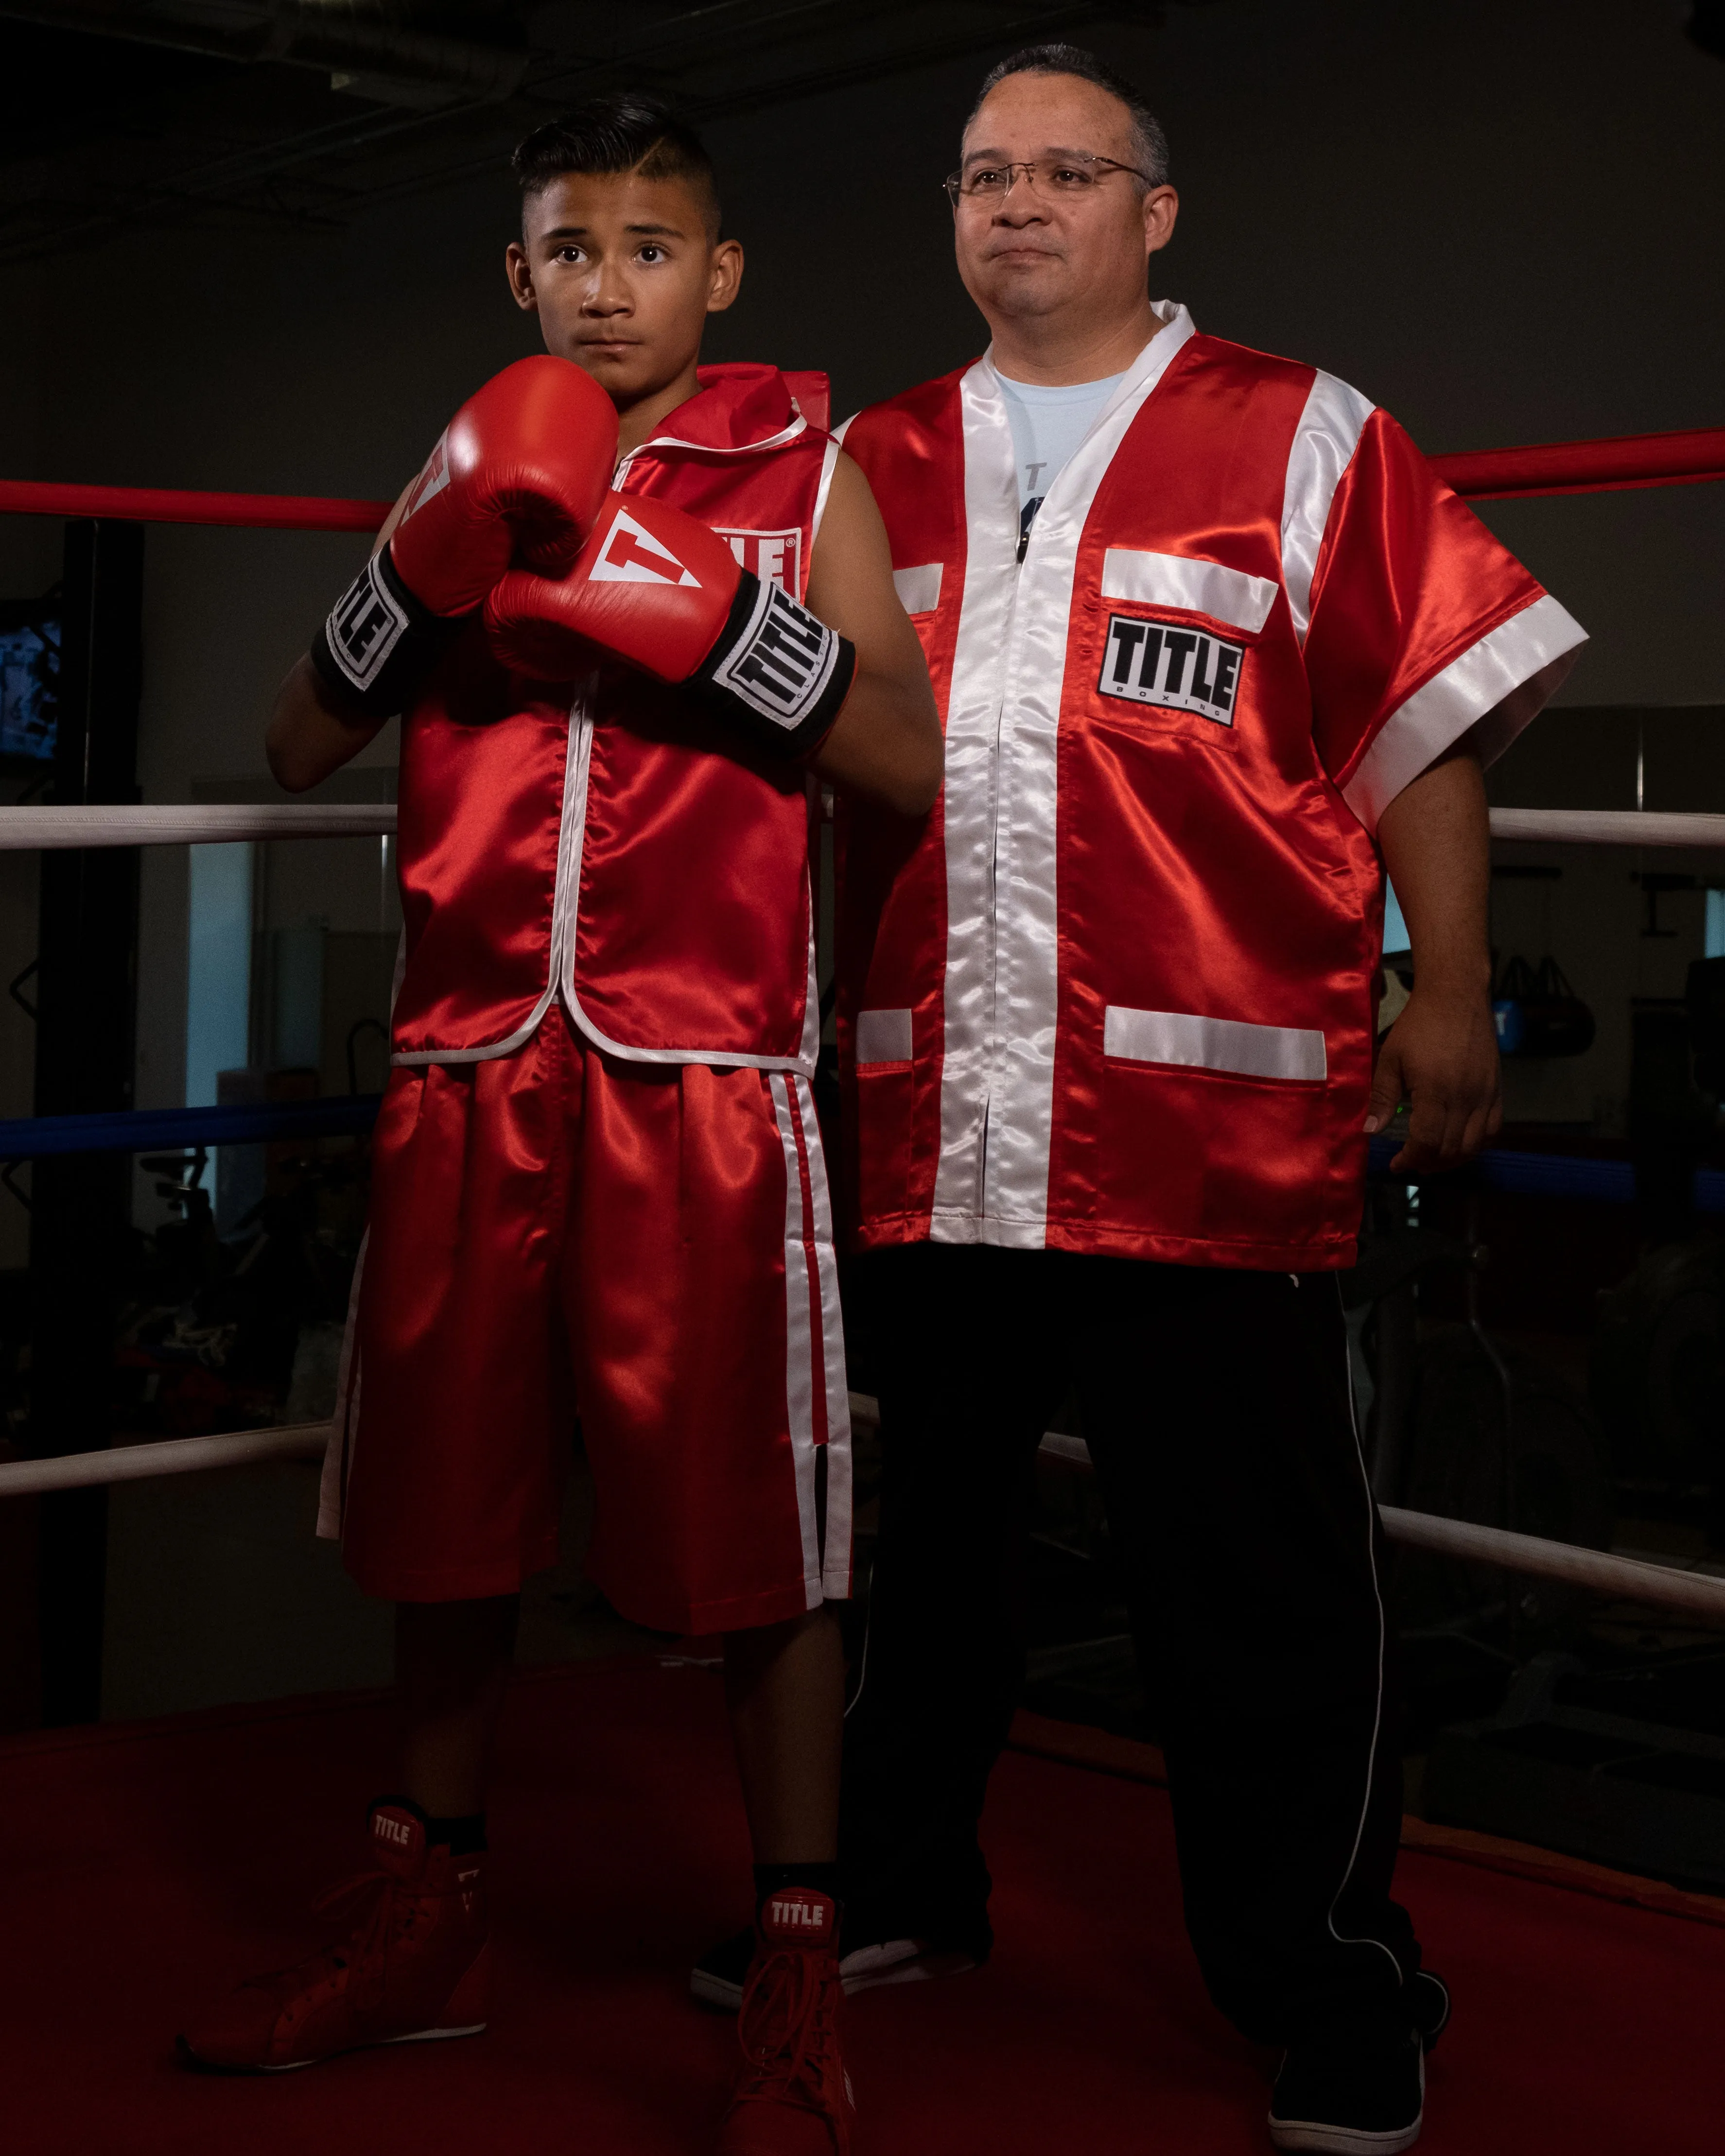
x=378 y=642
x=776 y=671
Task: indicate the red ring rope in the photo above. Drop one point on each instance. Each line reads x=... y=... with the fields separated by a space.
x=1684 y=458
x=158 y=505
x=1687 y=458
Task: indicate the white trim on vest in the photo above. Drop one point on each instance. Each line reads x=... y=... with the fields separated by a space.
x=829 y=465
x=798 y=425
x=1009 y=671
x=575 y=787
x=564 y=906
x=991 y=481
x=564 y=913
x=1490 y=692
x=1322 y=448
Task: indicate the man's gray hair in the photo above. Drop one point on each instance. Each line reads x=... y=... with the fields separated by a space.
x=1150 y=145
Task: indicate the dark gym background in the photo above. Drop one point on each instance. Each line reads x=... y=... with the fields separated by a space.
x=1500 y=218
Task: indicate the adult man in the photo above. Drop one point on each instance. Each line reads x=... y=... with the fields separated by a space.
x=1209 y=640
x=597 y=1182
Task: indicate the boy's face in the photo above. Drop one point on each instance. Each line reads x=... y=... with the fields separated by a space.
x=622 y=273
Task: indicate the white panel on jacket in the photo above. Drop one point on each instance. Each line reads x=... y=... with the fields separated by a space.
x=919 y=589
x=883 y=1036
x=1215 y=1044
x=1186 y=582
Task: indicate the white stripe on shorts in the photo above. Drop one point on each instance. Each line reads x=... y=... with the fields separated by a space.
x=811 y=1268
x=836 y=1539
x=338 y=1452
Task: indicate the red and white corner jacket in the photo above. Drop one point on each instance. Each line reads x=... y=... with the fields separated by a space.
x=628 y=852
x=1117 y=993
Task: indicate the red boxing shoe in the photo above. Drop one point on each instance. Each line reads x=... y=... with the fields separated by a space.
x=414 y=1965
x=794 y=2097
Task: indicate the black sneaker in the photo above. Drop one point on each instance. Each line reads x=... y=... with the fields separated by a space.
x=1426 y=1998
x=1363 y=2098
x=717 y=1978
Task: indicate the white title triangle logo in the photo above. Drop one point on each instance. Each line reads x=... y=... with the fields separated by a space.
x=432 y=481
x=631 y=554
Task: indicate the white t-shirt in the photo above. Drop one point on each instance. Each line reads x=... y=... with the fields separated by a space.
x=1047 y=425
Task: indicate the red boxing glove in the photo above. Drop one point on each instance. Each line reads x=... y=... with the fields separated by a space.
x=522 y=469
x=659 y=589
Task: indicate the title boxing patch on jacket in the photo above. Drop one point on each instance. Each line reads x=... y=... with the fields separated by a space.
x=775 y=557
x=1187 y=670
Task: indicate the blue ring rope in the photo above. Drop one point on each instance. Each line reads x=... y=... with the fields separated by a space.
x=143 y=1130
x=1557 y=1175
x=34 y=1137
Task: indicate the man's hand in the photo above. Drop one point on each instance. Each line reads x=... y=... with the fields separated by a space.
x=1440 y=1054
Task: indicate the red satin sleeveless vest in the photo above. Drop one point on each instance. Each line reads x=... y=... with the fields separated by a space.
x=623 y=850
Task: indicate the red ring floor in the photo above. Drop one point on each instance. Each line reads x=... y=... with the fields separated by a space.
x=150 y=1861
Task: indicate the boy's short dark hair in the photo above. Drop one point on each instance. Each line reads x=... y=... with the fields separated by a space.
x=627 y=131
x=1148 y=143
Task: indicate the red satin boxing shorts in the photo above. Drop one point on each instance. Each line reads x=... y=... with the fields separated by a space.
x=559 y=1233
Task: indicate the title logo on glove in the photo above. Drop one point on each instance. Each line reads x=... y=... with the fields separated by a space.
x=782 y=660
x=631 y=554
x=365 y=625
x=431 y=482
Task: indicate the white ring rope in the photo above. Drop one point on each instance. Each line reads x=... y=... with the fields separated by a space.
x=41 y=827
x=1608 y=827
x=24 y=830
x=1627 y=1579
x=173 y=1455
x=217 y=823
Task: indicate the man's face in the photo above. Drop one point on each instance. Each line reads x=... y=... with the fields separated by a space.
x=622 y=273
x=1024 y=254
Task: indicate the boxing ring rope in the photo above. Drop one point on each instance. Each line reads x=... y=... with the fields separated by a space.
x=1608 y=827
x=155 y=505
x=25 y=830
x=170 y=823
x=170 y=1455
x=147 y=1130
x=1687 y=457
x=1668 y=1586
x=1663 y=1586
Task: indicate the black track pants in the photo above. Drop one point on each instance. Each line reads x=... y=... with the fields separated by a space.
x=1216 y=1408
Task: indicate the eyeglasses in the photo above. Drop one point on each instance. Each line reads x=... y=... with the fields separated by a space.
x=1056 y=179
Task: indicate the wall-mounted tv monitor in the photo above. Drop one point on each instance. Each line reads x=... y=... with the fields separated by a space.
x=29 y=680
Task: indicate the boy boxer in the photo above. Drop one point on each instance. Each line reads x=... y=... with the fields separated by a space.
x=597 y=1180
